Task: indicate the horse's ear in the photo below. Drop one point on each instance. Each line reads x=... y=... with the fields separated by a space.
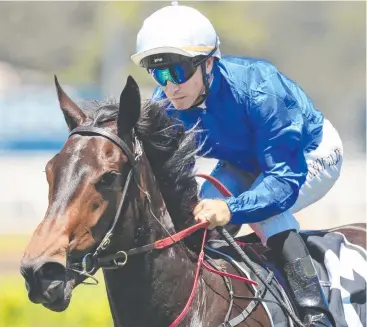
x=74 y=116
x=129 y=108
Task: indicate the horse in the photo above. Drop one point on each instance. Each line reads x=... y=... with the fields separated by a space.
x=121 y=194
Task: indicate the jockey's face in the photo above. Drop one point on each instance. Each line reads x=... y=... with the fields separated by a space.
x=184 y=95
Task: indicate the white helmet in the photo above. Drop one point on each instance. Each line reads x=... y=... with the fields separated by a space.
x=176 y=29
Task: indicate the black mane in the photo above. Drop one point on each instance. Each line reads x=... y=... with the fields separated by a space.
x=169 y=148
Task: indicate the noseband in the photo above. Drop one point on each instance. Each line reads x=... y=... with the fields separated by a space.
x=89 y=261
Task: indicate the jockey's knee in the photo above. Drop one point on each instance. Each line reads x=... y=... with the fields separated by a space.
x=275 y=225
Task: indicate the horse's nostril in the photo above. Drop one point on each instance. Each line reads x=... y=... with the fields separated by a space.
x=44 y=283
x=52 y=271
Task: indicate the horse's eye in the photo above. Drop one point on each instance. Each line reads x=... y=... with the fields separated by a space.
x=108 y=178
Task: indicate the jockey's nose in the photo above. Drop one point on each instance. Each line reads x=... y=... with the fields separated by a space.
x=172 y=88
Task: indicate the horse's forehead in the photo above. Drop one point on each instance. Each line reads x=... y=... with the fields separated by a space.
x=76 y=148
x=92 y=150
x=72 y=157
x=76 y=145
x=82 y=145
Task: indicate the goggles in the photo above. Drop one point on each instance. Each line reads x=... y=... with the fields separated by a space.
x=177 y=74
x=172 y=67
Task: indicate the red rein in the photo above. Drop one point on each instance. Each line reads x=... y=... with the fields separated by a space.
x=181 y=235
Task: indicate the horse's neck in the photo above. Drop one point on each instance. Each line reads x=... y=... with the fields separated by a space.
x=148 y=289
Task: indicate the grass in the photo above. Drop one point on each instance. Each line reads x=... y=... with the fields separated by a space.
x=13 y=243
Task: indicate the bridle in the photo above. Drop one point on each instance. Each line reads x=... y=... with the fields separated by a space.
x=92 y=261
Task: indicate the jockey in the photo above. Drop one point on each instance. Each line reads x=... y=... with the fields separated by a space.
x=276 y=152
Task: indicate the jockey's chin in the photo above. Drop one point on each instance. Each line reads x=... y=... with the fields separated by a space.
x=182 y=103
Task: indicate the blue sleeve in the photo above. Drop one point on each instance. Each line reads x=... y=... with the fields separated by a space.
x=277 y=126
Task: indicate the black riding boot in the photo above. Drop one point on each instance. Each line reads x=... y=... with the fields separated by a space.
x=302 y=278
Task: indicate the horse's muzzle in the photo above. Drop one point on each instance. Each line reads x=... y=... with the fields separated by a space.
x=44 y=281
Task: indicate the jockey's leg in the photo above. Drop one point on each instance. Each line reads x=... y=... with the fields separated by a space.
x=280 y=232
x=302 y=278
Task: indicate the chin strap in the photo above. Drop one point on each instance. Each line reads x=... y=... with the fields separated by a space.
x=206 y=92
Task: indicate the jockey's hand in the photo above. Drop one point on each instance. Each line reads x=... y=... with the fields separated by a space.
x=216 y=212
